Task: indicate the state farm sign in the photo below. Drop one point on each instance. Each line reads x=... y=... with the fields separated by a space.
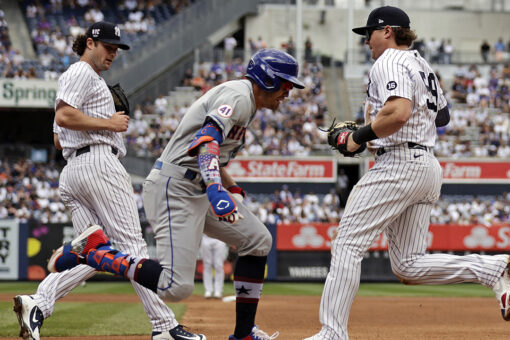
x=442 y=237
x=477 y=171
x=282 y=169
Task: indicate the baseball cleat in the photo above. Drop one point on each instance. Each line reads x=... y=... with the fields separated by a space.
x=208 y=295
x=177 y=333
x=217 y=295
x=256 y=334
x=30 y=317
x=73 y=253
x=502 y=291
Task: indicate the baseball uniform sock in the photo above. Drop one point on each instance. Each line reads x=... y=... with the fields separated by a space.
x=248 y=281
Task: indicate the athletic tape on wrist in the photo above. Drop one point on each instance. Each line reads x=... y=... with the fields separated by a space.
x=364 y=134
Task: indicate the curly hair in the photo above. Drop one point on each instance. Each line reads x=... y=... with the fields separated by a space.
x=79 y=44
x=404 y=36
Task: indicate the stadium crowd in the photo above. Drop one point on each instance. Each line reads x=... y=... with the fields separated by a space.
x=480 y=117
x=53 y=25
x=29 y=190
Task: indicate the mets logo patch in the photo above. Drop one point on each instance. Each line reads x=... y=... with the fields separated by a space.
x=225 y=111
x=391 y=85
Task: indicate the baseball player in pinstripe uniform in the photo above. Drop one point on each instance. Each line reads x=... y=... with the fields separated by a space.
x=404 y=105
x=94 y=185
x=189 y=192
x=214 y=252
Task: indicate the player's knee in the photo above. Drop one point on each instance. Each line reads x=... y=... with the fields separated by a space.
x=177 y=292
x=259 y=245
x=265 y=242
x=403 y=273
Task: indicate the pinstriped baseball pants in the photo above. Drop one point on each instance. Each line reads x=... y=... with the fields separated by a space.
x=395 y=197
x=96 y=189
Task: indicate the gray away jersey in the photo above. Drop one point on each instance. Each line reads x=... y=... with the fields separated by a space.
x=231 y=106
x=406 y=74
x=82 y=88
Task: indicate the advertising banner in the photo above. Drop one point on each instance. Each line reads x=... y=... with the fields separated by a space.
x=35 y=93
x=9 y=249
x=42 y=240
x=478 y=171
x=279 y=169
x=447 y=237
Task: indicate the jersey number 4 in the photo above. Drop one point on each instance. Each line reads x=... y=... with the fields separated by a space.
x=430 y=84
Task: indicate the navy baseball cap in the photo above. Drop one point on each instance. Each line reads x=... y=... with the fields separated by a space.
x=106 y=32
x=384 y=16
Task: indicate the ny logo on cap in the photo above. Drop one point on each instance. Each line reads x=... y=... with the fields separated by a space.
x=381 y=21
x=117 y=31
x=95 y=32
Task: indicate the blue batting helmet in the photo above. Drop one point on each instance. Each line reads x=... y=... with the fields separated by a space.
x=268 y=66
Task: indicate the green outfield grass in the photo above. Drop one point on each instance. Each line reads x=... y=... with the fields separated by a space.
x=86 y=318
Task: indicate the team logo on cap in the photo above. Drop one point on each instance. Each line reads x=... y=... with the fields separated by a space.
x=391 y=85
x=225 y=111
x=96 y=32
x=117 y=31
x=381 y=21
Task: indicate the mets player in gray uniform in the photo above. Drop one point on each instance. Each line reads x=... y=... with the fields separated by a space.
x=404 y=105
x=188 y=192
x=94 y=185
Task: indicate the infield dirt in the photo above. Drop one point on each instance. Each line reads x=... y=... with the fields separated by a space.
x=296 y=317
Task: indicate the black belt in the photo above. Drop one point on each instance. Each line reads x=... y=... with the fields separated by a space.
x=189 y=174
x=86 y=149
x=410 y=145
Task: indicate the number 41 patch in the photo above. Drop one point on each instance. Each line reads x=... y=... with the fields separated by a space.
x=225 y=111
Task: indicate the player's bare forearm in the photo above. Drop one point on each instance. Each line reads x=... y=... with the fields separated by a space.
x=226 y=179
x=56 y=141
x=393 y=115
x=73 y=119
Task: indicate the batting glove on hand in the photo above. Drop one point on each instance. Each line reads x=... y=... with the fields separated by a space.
x=238 y=192
x=222 y=204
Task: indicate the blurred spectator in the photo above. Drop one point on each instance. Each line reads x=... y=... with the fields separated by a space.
x=308 y=50
x=260 y=44
x=94 y=15
x=499 y=50
x=446 y=52
x=485 y=49
x=290 y=47
x=160 y=105
x=432 y=50
x=252 y=46
x=229 y=43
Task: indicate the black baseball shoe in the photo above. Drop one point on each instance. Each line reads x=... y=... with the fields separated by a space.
x=177 y=333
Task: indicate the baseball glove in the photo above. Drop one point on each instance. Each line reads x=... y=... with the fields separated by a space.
x=338 y=135
x=119 y=98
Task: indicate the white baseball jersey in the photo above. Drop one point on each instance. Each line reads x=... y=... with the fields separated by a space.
x=406 y=74
x=96 y=189
x=91 y=96
x=396 y=197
